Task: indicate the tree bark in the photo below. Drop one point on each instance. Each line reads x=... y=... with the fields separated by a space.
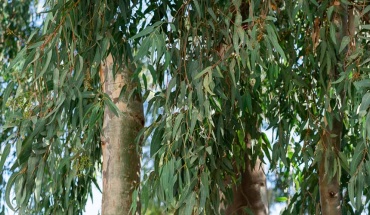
x=330 y=186
x=252 y=192
x=121 y=154
x=331 y=138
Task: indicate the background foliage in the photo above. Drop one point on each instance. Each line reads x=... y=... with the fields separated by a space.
x=17 y=19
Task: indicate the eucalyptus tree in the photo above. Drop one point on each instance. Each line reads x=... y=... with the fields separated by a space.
x=220 y=70
x=300 y=66
x=59 y=91
x=321 y=97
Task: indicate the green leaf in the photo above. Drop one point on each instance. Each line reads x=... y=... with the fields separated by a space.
x=146 y=30
x=38 y=180
x=273 y=38
x=144 y=48
x=9 y=185
x=351 y=190
x=368 y=125
x=213 y=15
x=365 y=61
x=46 y=64
x=194 y=117
x=156 y=142
x=206 y=84
x=365 y=27
x=80 y=65
x=365 y=11
x=206 y=70
x=364 y=105
x=359 y=189
x=40 y=126
x=66 y=161
x=344 y=161
x=32 y=35
x=31 y=171
x=281 y=199
x=238 y=19
x=112 y=107
x=204 y=190
x=4 y=155
x=357 y=157
x=362 y=84
x=171 y=85
x=344 y=43
x=56 y=80
x=196 y=3
x=59 y=103
x=236 y=40
x=104 y=46
x=249 y=102
x=8 y=90
x=160 y=45
x=346 y=2
x=35 y=45
x=80 y=107
x=340 y=79
x=209 y=150
x=190 y=204
x=330 y=11
x=241 y=33
x=237 y=3
x=176 y=126
x=333 y=33
x=21 y=55
x=96 y=62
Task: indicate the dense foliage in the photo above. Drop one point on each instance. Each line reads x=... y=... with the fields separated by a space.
x=213 y=72
x=299 y=66
x=17 y=20
x=56 y=111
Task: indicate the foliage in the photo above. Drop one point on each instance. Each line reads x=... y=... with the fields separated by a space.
x=55 y=105
x=234 y=65
x=210 y=104
x=17 y=19
x=221 y=69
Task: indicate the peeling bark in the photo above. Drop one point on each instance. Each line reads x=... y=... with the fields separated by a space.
x=121 y=156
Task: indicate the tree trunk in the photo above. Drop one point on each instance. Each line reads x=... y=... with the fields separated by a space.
x=331 y=138
x=121 y=156
x=252 y=192
x=330 y=186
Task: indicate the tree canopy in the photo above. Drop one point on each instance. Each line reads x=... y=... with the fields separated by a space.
x=214 y=73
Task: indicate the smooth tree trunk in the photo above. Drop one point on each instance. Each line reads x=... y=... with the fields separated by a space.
x=251 y=194
x=121 y=156
x=329 y=185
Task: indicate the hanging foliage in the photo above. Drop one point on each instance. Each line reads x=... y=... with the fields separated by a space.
x=220 y=70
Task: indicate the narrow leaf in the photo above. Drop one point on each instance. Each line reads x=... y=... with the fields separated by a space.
x=206 y=70
x=4 y=155
x=38 y=180
x=344 y=43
